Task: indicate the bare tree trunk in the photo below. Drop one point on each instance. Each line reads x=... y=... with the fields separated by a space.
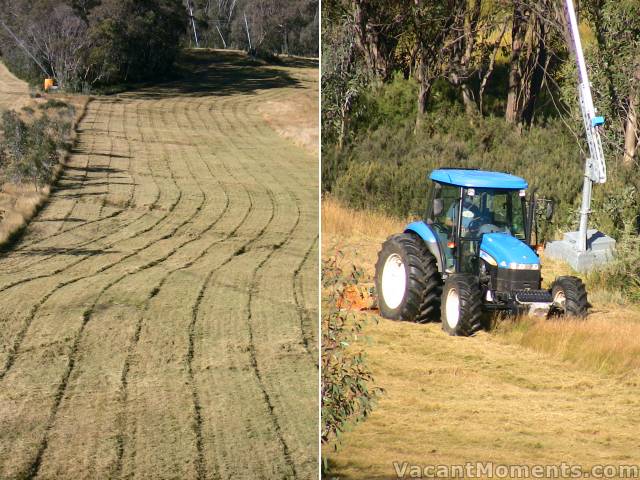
x=423 y=100
x=468 y=100
x=518 y=34
x=371 y=42
x=537 y=73
x=286 y=41
x=423 y=97
x=464 y=31
x=487 y=74
x=193 y=24
x=471 y=19
x=470 y=106
x=631 y=130
x=246 y=24
x=224 y=43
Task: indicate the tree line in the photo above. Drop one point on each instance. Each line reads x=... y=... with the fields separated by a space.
x=82 y=43
x=519 y=49
x=277 y=26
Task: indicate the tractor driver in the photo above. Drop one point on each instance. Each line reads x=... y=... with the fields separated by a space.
x=470 y=212
x=475 y=220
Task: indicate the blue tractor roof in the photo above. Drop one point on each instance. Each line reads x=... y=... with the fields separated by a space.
x=478 y=179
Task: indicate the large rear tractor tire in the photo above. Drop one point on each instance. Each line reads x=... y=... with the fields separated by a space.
x=408 y=282
x=461 y=305
x=570 y=296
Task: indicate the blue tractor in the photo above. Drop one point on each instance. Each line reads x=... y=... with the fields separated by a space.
x=471 y=255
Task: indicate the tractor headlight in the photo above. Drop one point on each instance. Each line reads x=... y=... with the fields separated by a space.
x=524 y=266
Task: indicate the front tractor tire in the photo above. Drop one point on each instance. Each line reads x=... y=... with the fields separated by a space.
x=570 y=296
x=461 y=305
x=408 y=282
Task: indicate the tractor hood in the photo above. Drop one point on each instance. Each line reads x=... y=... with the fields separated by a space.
x=508 y=252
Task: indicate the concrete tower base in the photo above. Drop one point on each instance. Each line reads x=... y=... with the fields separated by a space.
x=600 y=250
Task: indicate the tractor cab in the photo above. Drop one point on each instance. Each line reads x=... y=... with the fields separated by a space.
x=470 y=255
x=468 y=204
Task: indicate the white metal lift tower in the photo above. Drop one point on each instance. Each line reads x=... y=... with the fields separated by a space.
x=585 y=248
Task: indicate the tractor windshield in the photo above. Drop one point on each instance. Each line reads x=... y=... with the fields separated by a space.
x=484 y=210
x=490 y=210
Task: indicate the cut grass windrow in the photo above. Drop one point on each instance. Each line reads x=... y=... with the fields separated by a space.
x=114 y=231
x=165 y=348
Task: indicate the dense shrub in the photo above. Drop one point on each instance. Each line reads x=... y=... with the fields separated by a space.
x=134 y=40
x=623 y=274
x=387 y=163
x=388 y=169
x=91 y=42
x=347 y=394
x=30 y=151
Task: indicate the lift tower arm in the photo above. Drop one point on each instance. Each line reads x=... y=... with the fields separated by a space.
x=595 y=167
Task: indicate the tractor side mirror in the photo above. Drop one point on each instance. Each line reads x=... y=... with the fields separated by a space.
x=549 y=210
x=438 y=207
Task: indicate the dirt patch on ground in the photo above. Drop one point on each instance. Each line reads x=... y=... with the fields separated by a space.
x=296 y=117
x=545 y=393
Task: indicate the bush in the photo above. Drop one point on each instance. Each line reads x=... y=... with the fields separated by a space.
x=89 y=43
x=623 y=274
x=29 y=152
x=347 y=396
x=15 y=135
x=53 y=103
x=134 y=40
x=387 y=170
x=386 y=166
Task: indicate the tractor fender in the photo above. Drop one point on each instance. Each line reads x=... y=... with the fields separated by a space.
x=428 y=236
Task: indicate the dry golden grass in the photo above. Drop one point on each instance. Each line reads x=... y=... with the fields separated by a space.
x=608 y=341
x=14 y=93
x=451 y=400
x=533 y=392
x=18 y=204
x=338 y=221
x=355 y=234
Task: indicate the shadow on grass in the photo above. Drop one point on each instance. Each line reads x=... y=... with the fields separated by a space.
x=331 y=471
x=94 y=169
x=76 y=252
x=222 y=73
x=59 y=219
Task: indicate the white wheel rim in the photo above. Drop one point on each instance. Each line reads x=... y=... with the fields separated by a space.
x=453 y=308
x=560 y=298
x=394 y=281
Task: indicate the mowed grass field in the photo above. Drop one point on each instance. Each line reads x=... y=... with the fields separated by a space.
x=158 y=317
x=527 y=392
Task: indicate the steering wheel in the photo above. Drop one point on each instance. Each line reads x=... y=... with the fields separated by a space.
x=492 y=228
x=475 y=224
